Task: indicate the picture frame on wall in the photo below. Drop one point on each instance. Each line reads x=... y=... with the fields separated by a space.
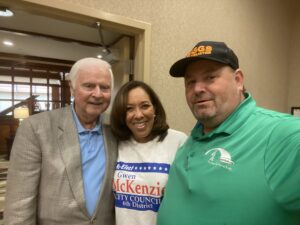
x=295 y=111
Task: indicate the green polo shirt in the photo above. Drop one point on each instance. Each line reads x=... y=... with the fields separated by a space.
x=245 y=172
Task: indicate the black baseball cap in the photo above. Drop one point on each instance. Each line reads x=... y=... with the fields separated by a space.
x=207 y=50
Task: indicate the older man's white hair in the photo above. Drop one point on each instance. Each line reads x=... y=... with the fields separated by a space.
x=85 y=63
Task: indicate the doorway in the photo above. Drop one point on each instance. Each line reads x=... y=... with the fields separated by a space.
x=47 y=38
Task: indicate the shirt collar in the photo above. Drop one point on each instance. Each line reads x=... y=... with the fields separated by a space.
x=236 y=119
x=80 y=129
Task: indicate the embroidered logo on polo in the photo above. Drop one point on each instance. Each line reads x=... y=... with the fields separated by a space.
x=138 y=185
x=220 y=157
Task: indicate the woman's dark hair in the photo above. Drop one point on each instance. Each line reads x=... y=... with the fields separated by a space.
x=119 y=110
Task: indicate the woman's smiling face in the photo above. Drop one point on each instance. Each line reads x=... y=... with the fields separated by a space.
x=140 y=114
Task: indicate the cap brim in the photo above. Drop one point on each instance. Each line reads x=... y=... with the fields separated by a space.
x=179 y=67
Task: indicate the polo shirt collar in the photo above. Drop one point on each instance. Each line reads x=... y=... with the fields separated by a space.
x=232 y=123
x=80 y=129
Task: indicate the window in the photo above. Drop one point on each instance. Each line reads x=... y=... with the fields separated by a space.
x=45 y=83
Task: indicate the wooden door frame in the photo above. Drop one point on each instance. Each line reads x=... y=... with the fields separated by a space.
x=141 y=31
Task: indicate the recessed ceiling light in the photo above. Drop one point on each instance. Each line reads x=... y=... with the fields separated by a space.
x=5 y=12
x=8 y=43
x=99 y=56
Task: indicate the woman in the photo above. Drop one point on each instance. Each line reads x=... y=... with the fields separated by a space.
x=146 y=149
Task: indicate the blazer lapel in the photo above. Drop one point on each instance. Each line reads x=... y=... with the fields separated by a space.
x=111 y=152
x=70 y=151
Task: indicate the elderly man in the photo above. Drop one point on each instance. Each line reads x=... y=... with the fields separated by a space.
x=63 y=160
x=241 y=163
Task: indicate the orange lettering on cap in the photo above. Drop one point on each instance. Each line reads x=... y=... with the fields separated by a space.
x=200 y=50
x=208 y=50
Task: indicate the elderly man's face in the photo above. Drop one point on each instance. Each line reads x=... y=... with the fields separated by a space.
x=92 y=93
x=213 y=91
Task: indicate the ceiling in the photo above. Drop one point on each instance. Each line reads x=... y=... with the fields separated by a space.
x=37 y=35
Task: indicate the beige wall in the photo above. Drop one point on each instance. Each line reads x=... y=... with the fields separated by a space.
x=294 y=72
x=258 y=30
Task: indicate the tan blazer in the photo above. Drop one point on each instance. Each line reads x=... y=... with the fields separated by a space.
x=45 y=183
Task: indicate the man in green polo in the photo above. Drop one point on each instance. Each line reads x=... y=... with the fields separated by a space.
x=241 y=163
